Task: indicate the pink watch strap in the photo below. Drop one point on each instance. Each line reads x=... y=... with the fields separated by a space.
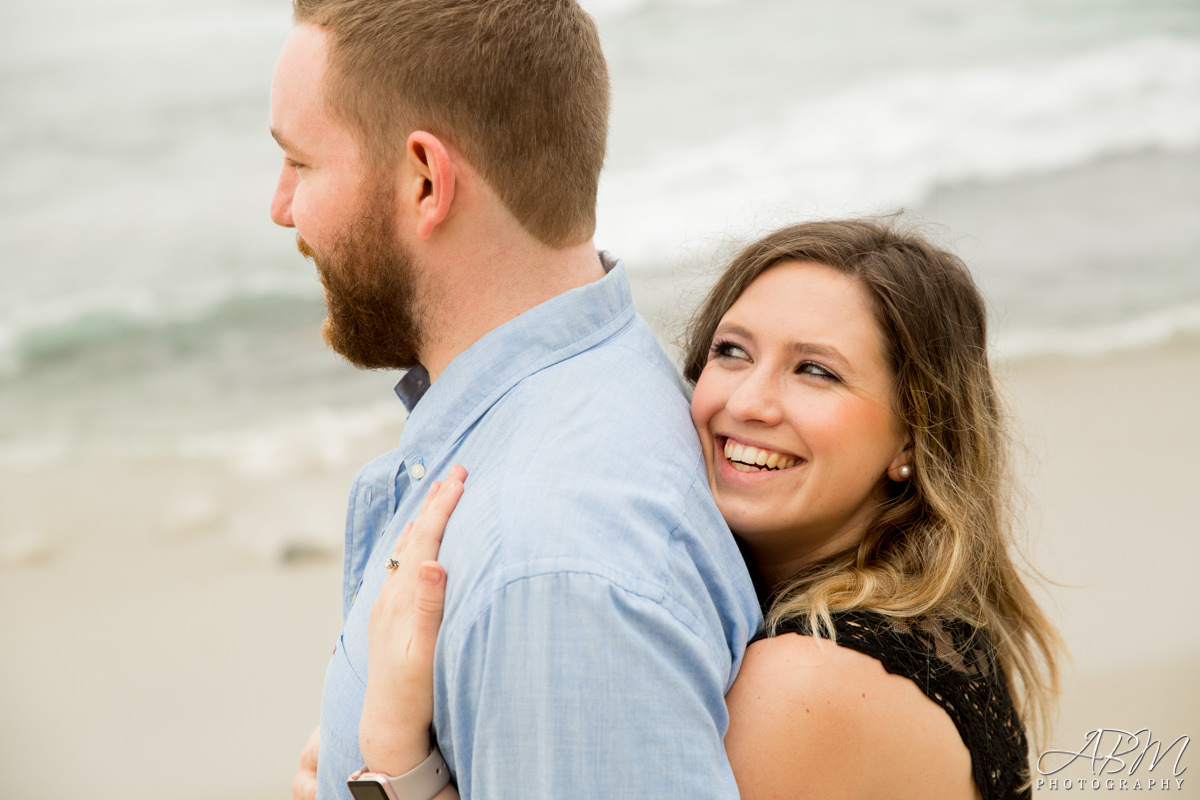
x=422 y=782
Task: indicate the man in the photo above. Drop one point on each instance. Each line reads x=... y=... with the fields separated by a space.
x=441 y=164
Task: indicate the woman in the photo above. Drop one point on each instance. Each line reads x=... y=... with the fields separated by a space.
x=855 y=444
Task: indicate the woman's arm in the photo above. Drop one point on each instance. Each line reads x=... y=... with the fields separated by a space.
x=397 y=710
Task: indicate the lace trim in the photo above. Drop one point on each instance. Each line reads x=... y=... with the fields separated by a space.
x=955 y=666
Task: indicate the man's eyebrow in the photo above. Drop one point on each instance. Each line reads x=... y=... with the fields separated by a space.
x=284 y=143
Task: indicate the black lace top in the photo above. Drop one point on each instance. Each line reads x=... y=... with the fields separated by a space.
x=955 y=666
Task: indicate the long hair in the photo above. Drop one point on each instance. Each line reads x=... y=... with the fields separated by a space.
x=940 y=544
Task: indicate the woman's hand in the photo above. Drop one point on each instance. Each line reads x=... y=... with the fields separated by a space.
x=304 y=785
x=393 y=732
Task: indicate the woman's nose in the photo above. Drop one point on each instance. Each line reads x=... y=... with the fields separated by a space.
x=756 y=399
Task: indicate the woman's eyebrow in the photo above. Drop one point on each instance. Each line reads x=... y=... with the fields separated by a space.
x=814 y=349
x=735 y=329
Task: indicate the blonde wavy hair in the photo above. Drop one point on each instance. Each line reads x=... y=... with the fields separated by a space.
x=941 y=544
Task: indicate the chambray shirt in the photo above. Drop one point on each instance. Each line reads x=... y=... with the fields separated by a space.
x=597 y=607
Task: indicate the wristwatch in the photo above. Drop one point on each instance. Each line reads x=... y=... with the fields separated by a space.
x=422 y=782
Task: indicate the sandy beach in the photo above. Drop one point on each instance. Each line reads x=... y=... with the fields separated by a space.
x=1112 y=509
x=158 y=649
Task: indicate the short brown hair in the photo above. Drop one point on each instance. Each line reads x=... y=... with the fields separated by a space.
x=519 y=87
x=941 y=543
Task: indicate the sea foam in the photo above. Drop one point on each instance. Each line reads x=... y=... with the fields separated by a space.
x=889 y=143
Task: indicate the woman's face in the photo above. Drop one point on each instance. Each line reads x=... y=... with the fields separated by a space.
x=794 y=412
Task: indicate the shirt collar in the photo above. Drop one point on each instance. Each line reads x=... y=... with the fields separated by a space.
x=412 y=386
x=546 y=334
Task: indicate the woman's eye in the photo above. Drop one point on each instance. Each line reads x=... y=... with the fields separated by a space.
x=813 y=368
x=293 y=164
x=727 y=350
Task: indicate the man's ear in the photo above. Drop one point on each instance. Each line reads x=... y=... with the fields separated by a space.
x=430 y=188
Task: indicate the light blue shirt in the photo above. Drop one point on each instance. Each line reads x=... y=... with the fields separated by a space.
x=597 y=606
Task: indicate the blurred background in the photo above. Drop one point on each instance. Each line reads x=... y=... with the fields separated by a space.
x=176 y=442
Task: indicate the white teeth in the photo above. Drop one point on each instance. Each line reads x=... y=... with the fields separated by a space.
x=747 y=457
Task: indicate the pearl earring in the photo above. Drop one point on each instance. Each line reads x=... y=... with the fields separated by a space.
x=905 y=472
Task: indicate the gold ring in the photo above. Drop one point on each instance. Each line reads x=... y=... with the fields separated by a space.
x=392 y=564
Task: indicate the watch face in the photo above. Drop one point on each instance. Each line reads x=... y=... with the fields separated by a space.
x=367 y=790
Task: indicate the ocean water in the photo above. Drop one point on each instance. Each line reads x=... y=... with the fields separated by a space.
x=149 y=305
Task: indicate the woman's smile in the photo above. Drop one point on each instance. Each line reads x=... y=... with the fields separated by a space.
x=752 y=464
x=747 y=457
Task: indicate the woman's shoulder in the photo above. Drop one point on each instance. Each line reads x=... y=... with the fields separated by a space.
x=807 y=715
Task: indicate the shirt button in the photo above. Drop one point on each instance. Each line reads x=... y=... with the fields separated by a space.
x=418 y=471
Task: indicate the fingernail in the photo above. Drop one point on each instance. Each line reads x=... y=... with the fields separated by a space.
x=430 y=574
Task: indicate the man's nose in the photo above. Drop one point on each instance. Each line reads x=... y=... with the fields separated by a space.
x=281 y=203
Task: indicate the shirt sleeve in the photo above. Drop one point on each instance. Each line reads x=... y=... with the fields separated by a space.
x=569 y=685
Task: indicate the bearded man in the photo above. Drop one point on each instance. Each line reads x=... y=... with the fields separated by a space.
x=441 y=165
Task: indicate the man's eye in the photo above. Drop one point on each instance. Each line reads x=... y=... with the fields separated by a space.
x=294 y=164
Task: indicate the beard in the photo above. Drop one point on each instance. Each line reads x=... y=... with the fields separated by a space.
x=370 y=290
